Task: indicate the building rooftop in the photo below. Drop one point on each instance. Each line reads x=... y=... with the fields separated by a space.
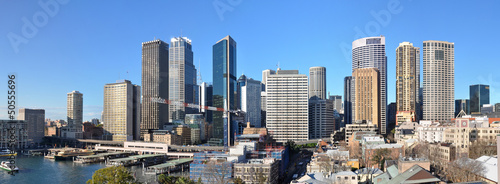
x=491 y=168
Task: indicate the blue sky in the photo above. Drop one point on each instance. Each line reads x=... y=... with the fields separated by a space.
x=83 y=45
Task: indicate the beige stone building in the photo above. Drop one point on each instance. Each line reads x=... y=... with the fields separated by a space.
x=163 y=137
x=185 y=132
x=407 y=77
x=367 y=88
x=258 y=169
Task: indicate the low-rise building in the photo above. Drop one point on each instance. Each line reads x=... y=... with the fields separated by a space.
x=163 y=136
x=258 y=171
x=358 y=127
x=185 y=132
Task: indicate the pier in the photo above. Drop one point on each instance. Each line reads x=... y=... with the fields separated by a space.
x=146 y=160
x=101 y=157
x=170 y=166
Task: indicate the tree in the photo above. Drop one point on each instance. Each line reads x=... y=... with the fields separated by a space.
x=163 y=179
x=481 y=147
x=465 y=170
x=112 y=175
x=292 y=146
x=238 y=181
x=217 y=171
x=380 y=155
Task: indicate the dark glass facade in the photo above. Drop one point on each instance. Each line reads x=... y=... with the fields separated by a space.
x=224 y=87
x=347 y=100
x=479 y=95
x=462 y=104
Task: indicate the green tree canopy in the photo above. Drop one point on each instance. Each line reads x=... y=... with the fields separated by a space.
x=112 y=175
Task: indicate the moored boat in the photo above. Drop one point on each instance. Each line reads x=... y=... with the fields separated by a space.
x=6 y=165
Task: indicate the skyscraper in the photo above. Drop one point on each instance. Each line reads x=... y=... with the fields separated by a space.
x=182 y=78
x=479 y=95
x=348 y=100
x=317 y=82
x=287 y=106
x=321 y=120
x=35 y=120
x=337 y=103
x=439 y=80
x=263 y=95
x=206 y=99
x=224 y=87
x=75 y=116
x=121 y=111
x=369 y=52
x=407 y=78
x=367 y=95
x=462 y=104
x=154 y=84
x=250 y=99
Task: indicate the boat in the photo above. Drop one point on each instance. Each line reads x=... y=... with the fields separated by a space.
x=7 y=152
x=6 y=165
x=69 y=154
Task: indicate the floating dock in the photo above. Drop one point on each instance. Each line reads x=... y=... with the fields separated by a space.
x=146 y=160
x=101 y=157
x=170 y=166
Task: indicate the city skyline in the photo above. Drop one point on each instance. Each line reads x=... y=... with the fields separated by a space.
x=64 y=76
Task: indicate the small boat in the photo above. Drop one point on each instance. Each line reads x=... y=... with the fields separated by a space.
x=6 y=165
x=7 y=152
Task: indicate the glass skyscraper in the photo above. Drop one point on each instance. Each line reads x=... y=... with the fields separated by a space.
x=182 y=78
x=479 y=95
x=224 y=87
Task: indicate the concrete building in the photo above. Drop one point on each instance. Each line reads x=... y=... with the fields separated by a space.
x=405 y=116
x=122 y=111
x=249 y=98
x=321 y=121
x=256 y=171
x=182 y=78
x=407 y=77
x=75 y=116
x=348 y=100
x=185 y=132
x=263 y=96
x=462 y=105
x=479 y=95
x=19 y=133
x=431 y=133
x=439 y=80
x=487 y=109
x=34 y=119
x=224 y=88
x=317 y=82
x=337 y=103
x=359 y=126
x=287 y=106
x=369 y=52
x=367 y=103
x=154 y=84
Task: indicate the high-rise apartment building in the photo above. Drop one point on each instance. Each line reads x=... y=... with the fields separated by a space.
x=287 y=106
x=367 y=88
x=479 y=95
x=317 y=82
x=369 y=52
x=321 y=120
x=249 y=92
x=182 y=78
x=154 y=84
x=407 y=77
x=35 y=121
x=439 y=80
x=121 y=111
x=348 y=100
x=462 y=104
x=75 y=116
x=224 y=88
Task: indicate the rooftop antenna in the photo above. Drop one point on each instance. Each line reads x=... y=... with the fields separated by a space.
x=200 y=80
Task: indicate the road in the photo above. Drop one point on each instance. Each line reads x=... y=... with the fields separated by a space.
x=294 y=168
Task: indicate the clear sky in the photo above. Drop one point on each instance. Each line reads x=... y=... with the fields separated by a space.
x=83 y=45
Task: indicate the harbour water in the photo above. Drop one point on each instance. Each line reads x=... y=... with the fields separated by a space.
x=38 y=170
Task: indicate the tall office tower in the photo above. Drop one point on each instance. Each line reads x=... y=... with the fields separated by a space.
x=348 y=100
x=408 y=78
x=154 y=84
x=367 y=96
x=369 y=52
x=206 y=100
x=75 y=116
x=35 y=120
x=337 y=103
x=462 y=104
x=250 y=99
x=224 y=88
x=317 y=82
x=122 y=111
x=287 y=106
x=479 y=95
x=263 y=95
x=321 y=120
x=439 y=80
x=182 y=78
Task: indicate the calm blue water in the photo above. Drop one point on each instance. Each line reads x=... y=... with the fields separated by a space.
x=38 y=170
